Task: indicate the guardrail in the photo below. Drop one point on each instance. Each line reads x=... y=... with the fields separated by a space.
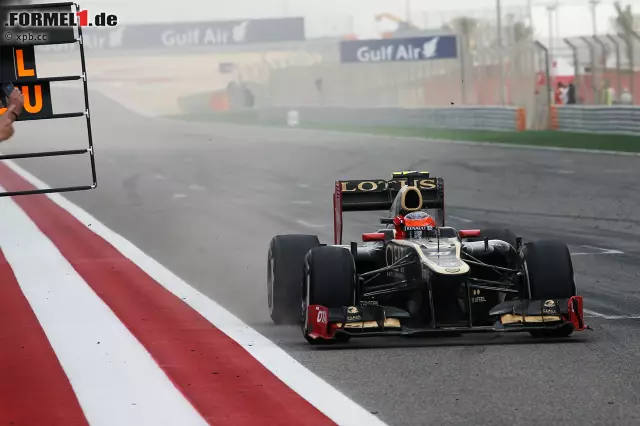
x=596 y=119
x=568 y=118
x=464 y=118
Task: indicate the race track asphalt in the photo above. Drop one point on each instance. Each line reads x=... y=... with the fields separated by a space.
x=204 y=200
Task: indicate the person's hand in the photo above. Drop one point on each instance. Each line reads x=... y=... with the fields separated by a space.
x=6 y=123
x=16 y=103
x=17 y=100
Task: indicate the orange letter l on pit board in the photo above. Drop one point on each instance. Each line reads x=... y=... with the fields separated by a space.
x=22 y=72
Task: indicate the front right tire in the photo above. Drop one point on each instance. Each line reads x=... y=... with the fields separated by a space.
x=329 y=280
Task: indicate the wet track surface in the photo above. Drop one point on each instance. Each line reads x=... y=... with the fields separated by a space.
x=204 y=200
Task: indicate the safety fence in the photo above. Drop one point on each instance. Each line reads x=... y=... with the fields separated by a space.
x=475 y=78
x=604 y=68
x=596 y=119
x=462 y=118
x=623 y=120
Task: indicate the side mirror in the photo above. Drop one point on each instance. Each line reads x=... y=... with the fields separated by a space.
x=373 y=236
x=386 y=221
x=385 y=235
x=469 y=233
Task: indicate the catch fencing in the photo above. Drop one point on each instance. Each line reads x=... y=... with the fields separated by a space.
x=604 y=68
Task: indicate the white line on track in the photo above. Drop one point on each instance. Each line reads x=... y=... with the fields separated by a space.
x=116 y=380
x=319 y=393
x=461 y=219
x=600 y=252
x=302 y=202
x=309 y=225
x=594 y=314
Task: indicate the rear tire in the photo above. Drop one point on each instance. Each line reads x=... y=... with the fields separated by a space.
x=285 y=271
x=330 y=280
x=503 y=234
x=549 y=272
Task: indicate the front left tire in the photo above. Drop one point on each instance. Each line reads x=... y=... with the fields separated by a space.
x=549 y=273
x=285 y=271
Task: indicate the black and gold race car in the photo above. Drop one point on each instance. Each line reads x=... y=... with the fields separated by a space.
x=418 y=276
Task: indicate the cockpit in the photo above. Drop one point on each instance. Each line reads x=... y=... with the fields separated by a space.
x=418 y=225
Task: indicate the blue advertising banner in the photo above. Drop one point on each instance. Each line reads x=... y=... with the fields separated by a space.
x=399 y=49
x=189 y=34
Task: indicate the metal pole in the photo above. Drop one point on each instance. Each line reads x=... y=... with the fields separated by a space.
x=576 y=66
x=503 y=100
x=618 y=66
x=631 y=73
x=557 y=29
x=548 y=79
x=551 y=9
x=594 y=74
x=604 y=55
x=594 y=3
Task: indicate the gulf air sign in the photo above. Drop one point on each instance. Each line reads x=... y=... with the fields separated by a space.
x=399 y=50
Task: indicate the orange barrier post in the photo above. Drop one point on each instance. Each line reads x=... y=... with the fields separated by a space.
x=219 y=102
x=521 y=120
x=553 y=118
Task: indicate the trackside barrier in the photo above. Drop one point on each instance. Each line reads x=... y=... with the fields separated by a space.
x=462 y=118
x=596 y=119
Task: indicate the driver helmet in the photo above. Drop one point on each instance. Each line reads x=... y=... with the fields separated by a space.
x=419 y=225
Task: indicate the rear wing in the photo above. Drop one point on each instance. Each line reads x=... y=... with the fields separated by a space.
x=18 y=67
x=379 y=195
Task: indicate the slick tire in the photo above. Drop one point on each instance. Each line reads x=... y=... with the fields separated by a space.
x=330 y=280
x=285 y=271
x=549 y=274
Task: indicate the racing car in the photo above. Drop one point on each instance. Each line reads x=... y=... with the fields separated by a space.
x=417 y=276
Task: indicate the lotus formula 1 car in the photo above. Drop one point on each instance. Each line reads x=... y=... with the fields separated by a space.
x=417 y=276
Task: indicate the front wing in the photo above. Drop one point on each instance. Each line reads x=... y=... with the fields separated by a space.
x=375 y=320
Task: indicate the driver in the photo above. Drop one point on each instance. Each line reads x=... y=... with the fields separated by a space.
x=419 y=225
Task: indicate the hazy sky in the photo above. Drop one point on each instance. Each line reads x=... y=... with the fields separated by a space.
x=574 y=15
